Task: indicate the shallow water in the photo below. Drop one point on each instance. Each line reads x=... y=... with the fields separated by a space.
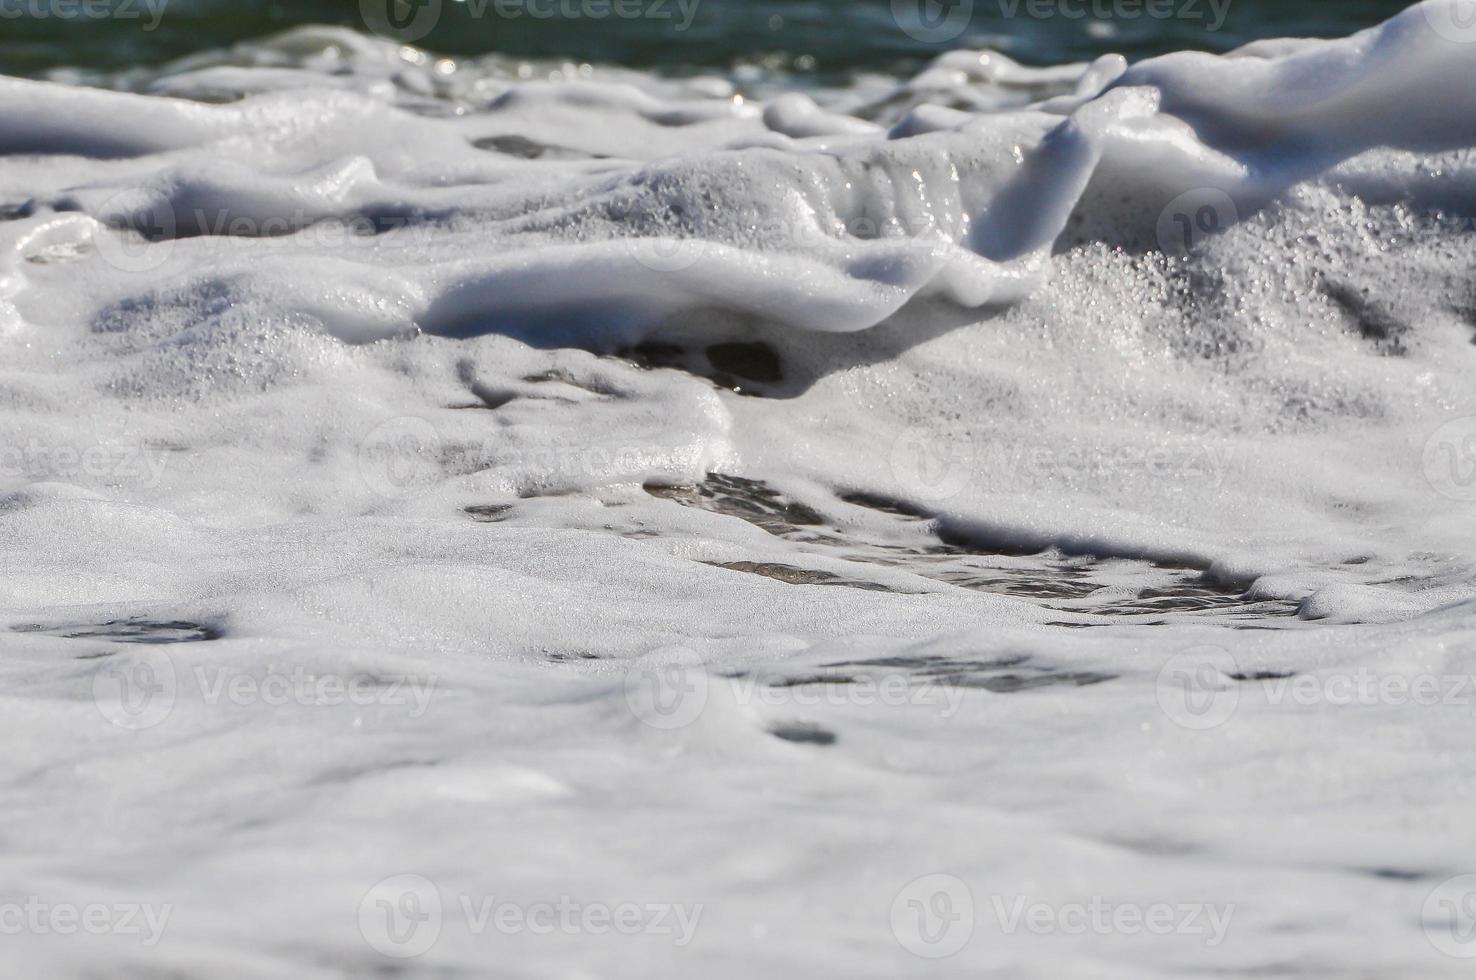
x=806 y=36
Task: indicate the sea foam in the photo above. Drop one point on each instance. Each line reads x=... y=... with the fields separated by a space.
x=929 y=423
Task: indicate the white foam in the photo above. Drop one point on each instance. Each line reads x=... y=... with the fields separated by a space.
x=272 y=319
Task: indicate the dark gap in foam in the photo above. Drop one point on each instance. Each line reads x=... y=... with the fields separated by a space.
x=1065 y=580
x=803 y=734
x=1245 y=676
x=791 y=575
x=488 y=513
x=1008 y=674
x=523 y=148
x=750 y=368
x=135 y=629
x=1373 y=321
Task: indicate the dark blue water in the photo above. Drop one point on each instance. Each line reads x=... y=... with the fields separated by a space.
x=826 y=36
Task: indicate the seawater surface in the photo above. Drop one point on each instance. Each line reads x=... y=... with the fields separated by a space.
x=824 y=36
x=902 y=520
